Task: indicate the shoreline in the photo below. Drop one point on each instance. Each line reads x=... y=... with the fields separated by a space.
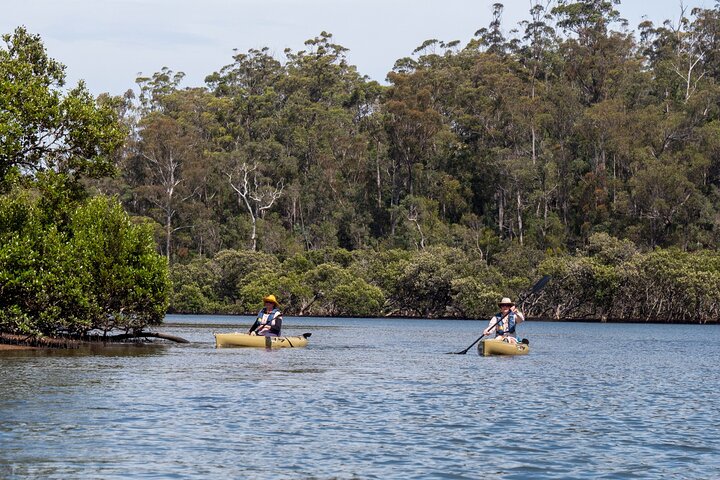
x=405 y=317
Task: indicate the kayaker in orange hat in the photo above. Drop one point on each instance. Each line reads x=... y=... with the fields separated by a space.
x=504 y=322
x=269 y=319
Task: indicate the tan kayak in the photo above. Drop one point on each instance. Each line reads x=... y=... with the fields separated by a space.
x=498 y=347
x=245 y=340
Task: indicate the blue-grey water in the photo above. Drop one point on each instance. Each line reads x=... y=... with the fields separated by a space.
x=372 y=398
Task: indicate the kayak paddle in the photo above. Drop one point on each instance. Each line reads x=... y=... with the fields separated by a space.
x=536 y=288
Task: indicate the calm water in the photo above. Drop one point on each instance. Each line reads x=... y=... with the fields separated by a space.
x=370 y=399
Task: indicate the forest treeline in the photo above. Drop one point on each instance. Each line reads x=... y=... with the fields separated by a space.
x=609 y=280
x=573 y=126
x=573 y=146
x=506 y=146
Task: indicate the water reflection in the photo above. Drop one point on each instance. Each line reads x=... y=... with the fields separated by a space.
x=104 y=350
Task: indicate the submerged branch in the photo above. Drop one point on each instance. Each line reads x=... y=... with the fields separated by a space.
x=77 y=341
x=128 y=336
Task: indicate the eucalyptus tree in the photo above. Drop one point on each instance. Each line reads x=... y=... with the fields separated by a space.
x=254 y=195
x=167 y=164
x=411 y=122
x=166 y=146
x=413 y=114
x=154 y=90
x=491 y=39
x=706 y=23
x=677 y=131
x=540 y=67
x=594 y=52
x=246 y=149
x=683 y=50
x=535 y=55
x=327 y=102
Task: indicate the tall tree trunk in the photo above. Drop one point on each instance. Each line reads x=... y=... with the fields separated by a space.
x=519 y=217
x=614 y=189
x=302 y=226
x=253 y=237
x=501 y=212
x=410 y=177
x=168 y=234
x=545 y=219
x=379 y=182
x=532 y=128
x=246 y=193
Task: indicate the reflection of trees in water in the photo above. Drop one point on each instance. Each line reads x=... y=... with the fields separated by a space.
x=90 y=349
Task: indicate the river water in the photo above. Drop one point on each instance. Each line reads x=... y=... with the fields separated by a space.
x=369 y=398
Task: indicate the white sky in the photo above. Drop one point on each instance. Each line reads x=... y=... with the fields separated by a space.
x=108 y=42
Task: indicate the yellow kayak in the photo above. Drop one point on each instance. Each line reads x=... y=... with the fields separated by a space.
x=245 y=340
x=498 y=347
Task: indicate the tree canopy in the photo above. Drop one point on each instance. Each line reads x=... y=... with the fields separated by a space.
x=488 y=162
x=69 y=263
x=45 y=128
x=574 y=126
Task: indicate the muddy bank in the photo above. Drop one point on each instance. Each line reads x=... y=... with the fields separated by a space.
x=4 y=346
x=25 y=341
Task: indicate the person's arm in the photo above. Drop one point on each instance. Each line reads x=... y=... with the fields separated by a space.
x=277 y=324
x=254 y=326
x=492 y=326
x=519 y=317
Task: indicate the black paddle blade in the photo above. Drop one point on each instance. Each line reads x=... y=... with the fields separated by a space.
x=463 y=352
x=306 y=335
x=540 y=284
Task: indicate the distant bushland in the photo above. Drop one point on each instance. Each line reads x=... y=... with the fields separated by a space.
x=573 y=147
x=610 y=280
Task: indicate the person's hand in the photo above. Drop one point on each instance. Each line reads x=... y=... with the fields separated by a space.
x=513 y=309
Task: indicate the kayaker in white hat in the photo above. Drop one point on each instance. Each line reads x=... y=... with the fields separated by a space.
x=503 y=323
x=269 y=319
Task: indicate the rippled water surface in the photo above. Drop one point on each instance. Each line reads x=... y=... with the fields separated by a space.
x=369 y=399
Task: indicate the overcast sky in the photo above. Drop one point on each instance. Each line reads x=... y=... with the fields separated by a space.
x=108 y=42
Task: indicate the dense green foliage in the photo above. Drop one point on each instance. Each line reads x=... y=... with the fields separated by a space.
x=608 y=280
x=437 y=282
x=611 y=280
x=476 y=169
x=68 y=263
x=576 y=148
x=97 y=271
x=574 y=127
x=42 y=127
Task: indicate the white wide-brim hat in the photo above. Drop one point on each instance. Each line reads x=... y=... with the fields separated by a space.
x=506 y=301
